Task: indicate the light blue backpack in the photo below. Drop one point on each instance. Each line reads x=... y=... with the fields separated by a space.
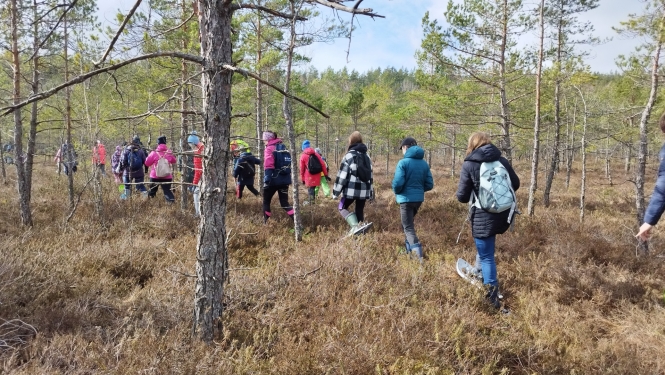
x=495 y=192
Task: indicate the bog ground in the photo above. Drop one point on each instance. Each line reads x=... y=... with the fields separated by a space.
x=118 y=297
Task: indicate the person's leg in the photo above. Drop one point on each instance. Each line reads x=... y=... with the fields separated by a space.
x=485 y=247
x=153 y=187
x=140 y=187
x=128 y=188
x=268 y=192
x=251 y=188
x=102 y=169
x=311 y=192
x=196 y=198
x=407 y=211
x=360 y=209
x=283 y=194
x=239 y=188
x=166 y=188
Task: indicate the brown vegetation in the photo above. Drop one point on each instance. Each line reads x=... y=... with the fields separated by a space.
x=118 y=298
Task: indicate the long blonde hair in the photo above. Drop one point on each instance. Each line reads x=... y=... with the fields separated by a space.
x=476 y=140
x=355 y=137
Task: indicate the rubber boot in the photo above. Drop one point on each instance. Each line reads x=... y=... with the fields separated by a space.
x=352 y=220
x=126 y=194
x=407 y=246
x=197 y=202
x=418 y=251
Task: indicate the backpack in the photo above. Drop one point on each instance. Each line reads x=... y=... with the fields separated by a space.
x=162 y=168
x=495 y=191
x=364 y=167
x=135 y=160
x=247 y=168
x=282 y=159
x=314 y=165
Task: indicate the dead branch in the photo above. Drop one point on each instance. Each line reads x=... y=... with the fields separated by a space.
x=117 y=34
x=269 y=11
x=46 y=94
x=62 y=16
x=256 y=77
x=15 y=333
x=178 y=272
x=338 y=6
x=78 y=199
x=310 y=272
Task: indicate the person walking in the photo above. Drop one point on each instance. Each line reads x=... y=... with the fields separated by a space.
x=161 y=160
x=99 y=157
x=656 y=205
x=277 y=174
x=354 y=184
x=412 y=179
x=485 y=225
x=312 y=167
x=197 y=146
x=132 y=165
x=115 y=167
x=244 y=170
x=68 y=157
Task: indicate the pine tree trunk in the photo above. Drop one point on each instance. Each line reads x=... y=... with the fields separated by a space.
x=211 y=253
x=69 y=156
x=642 y=150
x=536 y=126
x=571 y=146
x=557 y=120
x=24 y=195
x=259 y=99
x=184 y=128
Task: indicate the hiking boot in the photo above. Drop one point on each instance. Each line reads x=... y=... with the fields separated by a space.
x=407 y=247
x=125 y=195
x=417 y=250
x=493 y=297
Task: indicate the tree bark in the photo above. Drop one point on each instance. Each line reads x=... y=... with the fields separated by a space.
x=557 y=117
x=583 y=145
x=184 y=129
x=259 y=98
x=211 y=253
x=536 y=126
x=69 y=156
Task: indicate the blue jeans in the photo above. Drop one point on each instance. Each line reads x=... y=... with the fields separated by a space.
x=139 y=180
x=485 y=247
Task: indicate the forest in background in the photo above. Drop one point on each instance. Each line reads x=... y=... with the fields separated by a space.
x=542 y=104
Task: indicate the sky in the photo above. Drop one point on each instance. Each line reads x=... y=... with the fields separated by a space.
x=392 y=41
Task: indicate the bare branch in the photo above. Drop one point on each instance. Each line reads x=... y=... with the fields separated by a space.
x=43 y=95
x=256 y=77
x=337 y=6
x=270 y=11
x=62 y=16
x=117 y=34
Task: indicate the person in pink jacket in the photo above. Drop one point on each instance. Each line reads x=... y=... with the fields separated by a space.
x=161 y=161
x=311 y=178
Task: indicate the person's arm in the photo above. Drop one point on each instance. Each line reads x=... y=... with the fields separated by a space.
x=514 y=178
x=465 y=185
x=342 y=179
x=429 y=180
x=400 y=177
x=303 y=165
x=151 y=159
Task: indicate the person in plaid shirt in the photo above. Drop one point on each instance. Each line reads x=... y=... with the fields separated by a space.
x=354 y=184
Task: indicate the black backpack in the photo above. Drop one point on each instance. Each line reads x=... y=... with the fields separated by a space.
x=282 y=159
x=247 y=168
x=314 y=165
x=364 y=170
x=135 y=160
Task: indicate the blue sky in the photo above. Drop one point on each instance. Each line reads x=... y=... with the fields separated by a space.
x=392 y=41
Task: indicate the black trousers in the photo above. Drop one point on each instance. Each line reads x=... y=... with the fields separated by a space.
x=283 y=194
x=166 y=188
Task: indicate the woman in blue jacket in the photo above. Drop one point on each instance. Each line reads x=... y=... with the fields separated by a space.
x=484 y=225
x=412 y=179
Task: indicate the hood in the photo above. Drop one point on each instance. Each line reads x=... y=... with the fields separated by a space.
x=309 y=151
x=274 y=141
x=485 y=153
x=161 y=147
x=118 y=148
x=414 y=152
x=245 y=154
x=359 y=147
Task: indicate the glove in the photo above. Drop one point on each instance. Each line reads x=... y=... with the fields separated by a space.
x=303 y=182
x=371 y=196
x=328 y=179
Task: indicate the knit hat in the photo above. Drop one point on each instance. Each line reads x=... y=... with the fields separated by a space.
x=193 y=138
x=318 y=150
x=136 y=139
x=268 y=136
x=161 y=140
x=305 y=144
x=118 y=148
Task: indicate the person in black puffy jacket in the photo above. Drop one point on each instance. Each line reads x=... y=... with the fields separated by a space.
x=484 y=225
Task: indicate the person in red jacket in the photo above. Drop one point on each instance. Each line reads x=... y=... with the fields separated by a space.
x=196 y=145
x=311 y=179
x=99 y=157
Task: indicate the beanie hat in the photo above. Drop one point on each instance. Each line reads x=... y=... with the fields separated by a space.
x=268 y=136
x=161 y=140
x=318 y=150
x=118 y=148
x=193 y=138
x=136 y=139
x=408 y=141
x=305 y=144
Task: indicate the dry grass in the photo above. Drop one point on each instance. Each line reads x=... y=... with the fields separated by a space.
x=117 y=298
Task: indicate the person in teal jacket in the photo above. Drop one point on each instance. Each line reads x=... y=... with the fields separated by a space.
x=412 y=179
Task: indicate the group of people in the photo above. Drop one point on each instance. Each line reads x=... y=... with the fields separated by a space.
x=353 y=186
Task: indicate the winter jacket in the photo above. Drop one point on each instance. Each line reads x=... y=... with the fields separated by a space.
x=657 y=202
x=161 y=152
x=311 y=180
x=198 y=163
x=483 y=224
x=245 y=169
x=412 y=177
x=272 y=176
x=99 y=154
x=124 y=162
x=115 y=159
x=347 y=183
